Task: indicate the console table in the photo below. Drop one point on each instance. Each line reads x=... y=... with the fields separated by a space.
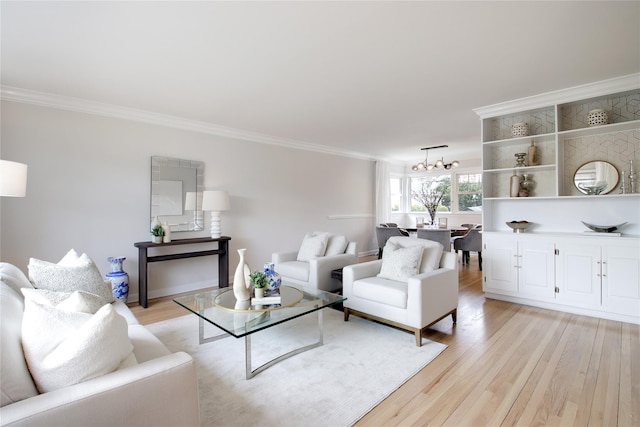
x=144 y=260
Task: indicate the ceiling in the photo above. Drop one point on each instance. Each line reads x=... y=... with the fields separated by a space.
x=372 y=78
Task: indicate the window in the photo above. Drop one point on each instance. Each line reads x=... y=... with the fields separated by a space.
x=431 y=192
x=469 y=192
x=396 y=194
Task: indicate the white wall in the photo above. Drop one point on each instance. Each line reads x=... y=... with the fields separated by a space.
x=89 y=182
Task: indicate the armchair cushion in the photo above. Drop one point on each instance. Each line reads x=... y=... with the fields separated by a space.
x=64 y=348
x=383 y=291
x=399 y=263
x=314 y=245
x=298 y=270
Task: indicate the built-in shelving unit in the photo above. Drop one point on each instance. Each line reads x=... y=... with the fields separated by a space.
x=558 y=127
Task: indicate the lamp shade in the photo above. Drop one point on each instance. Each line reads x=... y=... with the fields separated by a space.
x=215 y=200
x=13 y=179
x=193 y=201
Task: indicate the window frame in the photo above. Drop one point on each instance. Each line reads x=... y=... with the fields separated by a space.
x=453 y=175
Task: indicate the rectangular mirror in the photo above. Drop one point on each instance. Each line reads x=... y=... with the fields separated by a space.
x=176 y=193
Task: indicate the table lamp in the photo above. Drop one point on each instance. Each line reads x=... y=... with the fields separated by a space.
x=13 y=179
x=215 y=201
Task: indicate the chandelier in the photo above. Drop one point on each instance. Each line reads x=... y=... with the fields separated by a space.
x=438 y=164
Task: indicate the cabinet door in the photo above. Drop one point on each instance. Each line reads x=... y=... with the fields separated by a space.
x=578 y=274
x=536 y=269
x=621 y=279
x=499 y=264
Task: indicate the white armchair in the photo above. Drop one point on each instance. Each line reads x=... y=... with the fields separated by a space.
x=423 y=294
x=311 y=265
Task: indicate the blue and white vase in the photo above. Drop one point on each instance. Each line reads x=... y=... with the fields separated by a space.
x=273 y=286
x=118 y=278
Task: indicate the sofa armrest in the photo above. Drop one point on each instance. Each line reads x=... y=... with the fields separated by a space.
x=279 y=257
x=159 y=392
x=432 y=295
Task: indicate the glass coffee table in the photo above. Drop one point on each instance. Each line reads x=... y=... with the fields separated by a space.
x=241 y=319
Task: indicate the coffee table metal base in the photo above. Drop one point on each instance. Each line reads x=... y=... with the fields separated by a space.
x=249 y=371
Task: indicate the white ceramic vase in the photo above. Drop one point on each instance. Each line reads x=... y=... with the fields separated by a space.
x=241 y=279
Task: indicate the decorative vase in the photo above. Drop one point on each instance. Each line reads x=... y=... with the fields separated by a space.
x=274 y=279
x=633 y=178
x=527 y=185
x=514 y=185
x=597 y=117
x=241 y=279
x=156 y=239
x=259 y=293
x=167 y=233
x=520 y=129
x=119 y=279
x=520 y=160
x=533 y=154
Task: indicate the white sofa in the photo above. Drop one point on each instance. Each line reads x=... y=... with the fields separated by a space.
x=413 y=303
x=314 y=269
x=161 y=390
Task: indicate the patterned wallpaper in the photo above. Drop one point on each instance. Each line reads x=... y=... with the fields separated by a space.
x=621 y=108
x=540 y=122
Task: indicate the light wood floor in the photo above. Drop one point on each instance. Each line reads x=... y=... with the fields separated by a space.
x=509 y=364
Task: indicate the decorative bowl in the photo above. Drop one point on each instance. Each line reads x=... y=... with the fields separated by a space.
x=603 y=228
x=519 y=226
x=593 y=188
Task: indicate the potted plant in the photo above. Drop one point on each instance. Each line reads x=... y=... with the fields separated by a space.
x=259 y=281
x=156 y=233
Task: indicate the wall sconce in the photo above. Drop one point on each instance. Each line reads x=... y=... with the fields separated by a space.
x=13 y=179
x=215 y=201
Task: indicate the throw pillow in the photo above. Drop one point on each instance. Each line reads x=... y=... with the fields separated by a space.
x=63 y=348
x=431 y=255
x=80 y=301
x=400 y=263
x=336 y=245
x=73 y=273
x=314 y=245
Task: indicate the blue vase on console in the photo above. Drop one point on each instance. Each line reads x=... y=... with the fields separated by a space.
x=119 y=279
x=274 y=280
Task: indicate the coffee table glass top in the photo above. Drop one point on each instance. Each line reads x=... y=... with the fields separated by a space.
x=239 y=318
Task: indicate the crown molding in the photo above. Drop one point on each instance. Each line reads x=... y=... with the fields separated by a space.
x=85 y=106
x=590 y=90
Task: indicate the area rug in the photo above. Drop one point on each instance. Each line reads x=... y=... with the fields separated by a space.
x=360 y=363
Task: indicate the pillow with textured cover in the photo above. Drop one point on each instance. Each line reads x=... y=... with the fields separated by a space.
x=80 y=301
x=314 y=245
x=63 y=348
x=399 y=263
x=336 y=245
x=73 y=273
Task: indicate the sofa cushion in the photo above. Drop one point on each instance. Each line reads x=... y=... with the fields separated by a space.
x=314 y=245
x=383 y=291
x=73 y=273
x=84 y=302
x=400 y=263
x=298 y=270
x=64 y=348
x=16 y=383
x=336 y=245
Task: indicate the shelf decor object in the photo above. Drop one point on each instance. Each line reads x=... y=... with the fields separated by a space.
x=119 y=279
x=603 y=228
x=533 y=154
x=520 y=129
x=597 y=117
x=520 y=160
x=519 y=226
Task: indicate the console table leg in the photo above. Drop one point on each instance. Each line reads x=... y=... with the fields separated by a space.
x=142 y=277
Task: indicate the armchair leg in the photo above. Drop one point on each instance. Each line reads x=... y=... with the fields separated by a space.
x=454 y=315
x=480 y=260
x=346 y=314
x=418 y=337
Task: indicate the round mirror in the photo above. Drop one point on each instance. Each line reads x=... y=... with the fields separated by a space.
x=597 y=177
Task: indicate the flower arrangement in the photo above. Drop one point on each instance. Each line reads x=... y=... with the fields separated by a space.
x=430 y=195
x=157 y=231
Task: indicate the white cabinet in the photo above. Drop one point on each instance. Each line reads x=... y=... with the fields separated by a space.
x=597 y=276
x=519 y=265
